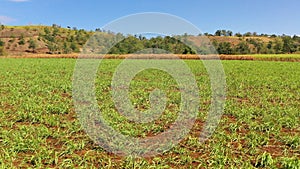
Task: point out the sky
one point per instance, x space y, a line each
261 16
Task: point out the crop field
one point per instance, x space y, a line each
260 127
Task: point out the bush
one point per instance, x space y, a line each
2 51
1 43
32 44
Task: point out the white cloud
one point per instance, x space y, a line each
6 19
18 0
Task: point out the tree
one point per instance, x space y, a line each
47 30
229 33
248 34
66 48
74 47
224 48
269 45
257 44
264 49
55 31
238 34
296 38
223 32
98 30
242 48
56 26
218 33
278 45
288 45
141 37
2 51
32 45
21 40
53 48
273 36
2 27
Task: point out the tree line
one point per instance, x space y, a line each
247 43
72 40
185 45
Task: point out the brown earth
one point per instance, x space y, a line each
154 56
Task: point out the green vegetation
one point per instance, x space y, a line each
2 51
59 40
260 126
32 45
132 44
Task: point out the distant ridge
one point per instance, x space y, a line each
22 40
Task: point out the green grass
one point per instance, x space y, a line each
260 126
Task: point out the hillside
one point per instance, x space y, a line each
230 44
19 40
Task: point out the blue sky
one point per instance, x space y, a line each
262 16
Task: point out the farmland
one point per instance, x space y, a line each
259 128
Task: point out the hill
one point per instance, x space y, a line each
19 40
